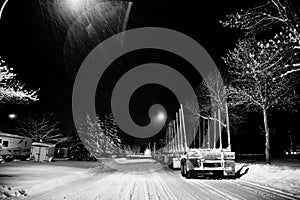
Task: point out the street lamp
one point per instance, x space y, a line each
77 5
12 116
161 116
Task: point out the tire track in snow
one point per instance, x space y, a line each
152 189
190 189
168 193
233 188
272 194
184 189
220 193
115 187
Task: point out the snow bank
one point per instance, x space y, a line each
284 178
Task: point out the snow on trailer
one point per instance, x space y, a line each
14 146
208 156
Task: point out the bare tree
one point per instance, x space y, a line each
11 90
257 81
278 16
40 127
212 94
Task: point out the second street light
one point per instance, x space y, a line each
12 116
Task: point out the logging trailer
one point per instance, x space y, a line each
207 156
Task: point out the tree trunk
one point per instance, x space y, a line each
267 135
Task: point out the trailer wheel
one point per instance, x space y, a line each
182 169
171 165
23 158
8 158
218 175
189 174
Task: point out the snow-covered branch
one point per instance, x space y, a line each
212 118
12 90
254 83
275 14
289 72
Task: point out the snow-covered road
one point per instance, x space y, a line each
146 180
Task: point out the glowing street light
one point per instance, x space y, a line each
12 116
161 116
76 5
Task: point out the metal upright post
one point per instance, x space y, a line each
180 130
203 133
208 134
220 131
175 137
169 139
177 130
184 132
194 138
215 129
166 143
227 126
199 133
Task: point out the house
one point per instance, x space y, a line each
14 146
42 152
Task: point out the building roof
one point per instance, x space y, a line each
11 136
39 144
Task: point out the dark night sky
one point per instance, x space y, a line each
34 47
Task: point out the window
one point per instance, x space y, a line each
25 143
0 141
5 143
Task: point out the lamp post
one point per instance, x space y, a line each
12 116
161 116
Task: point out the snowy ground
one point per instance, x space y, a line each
282 175
140 179
35 177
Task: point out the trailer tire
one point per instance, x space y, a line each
23 158
189 174
218 175
182 170
171 165
8 158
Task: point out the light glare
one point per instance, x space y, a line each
161 116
